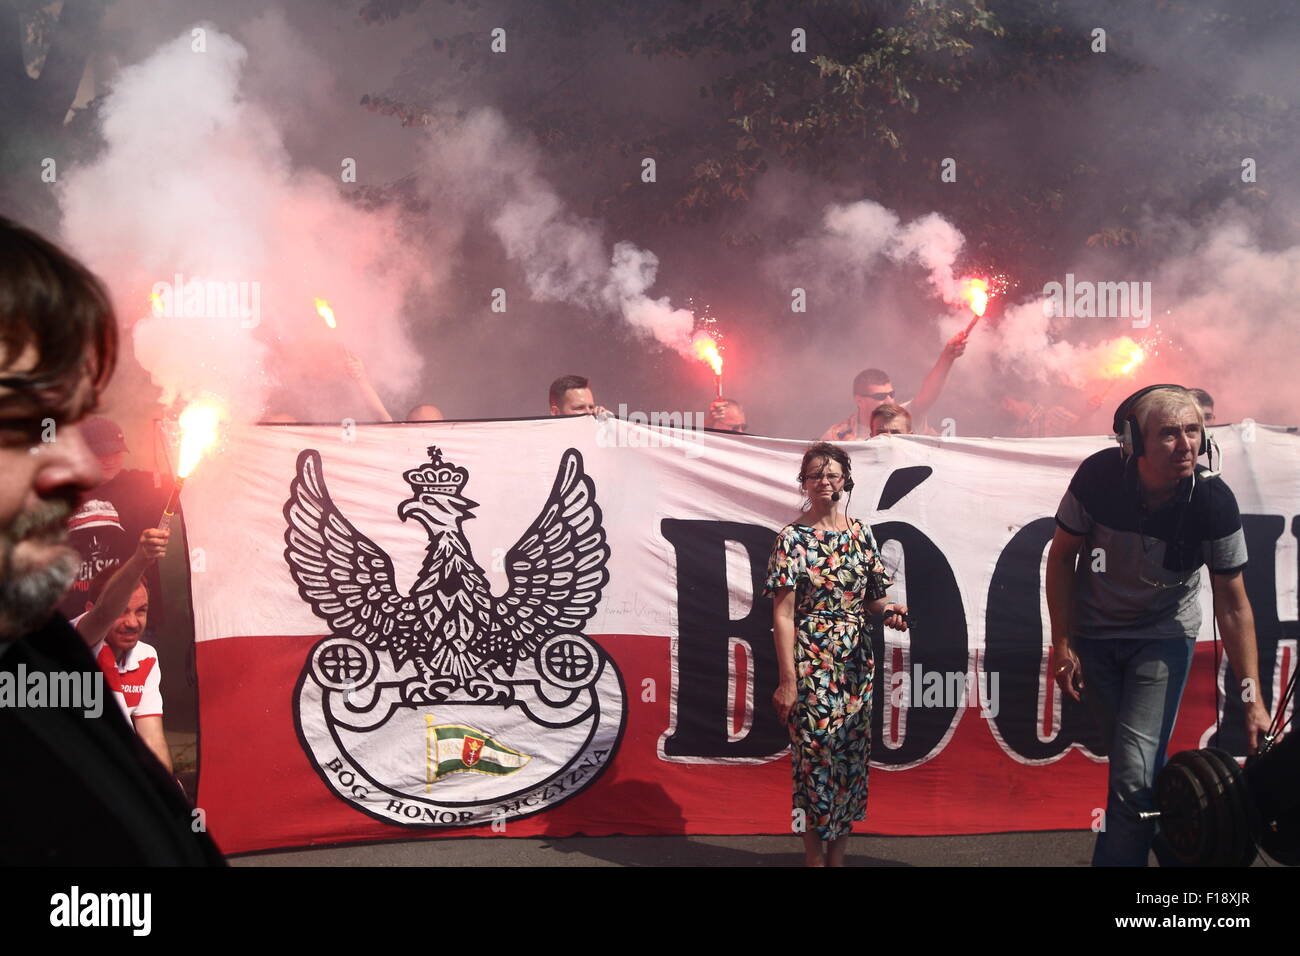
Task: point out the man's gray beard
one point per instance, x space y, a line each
27 598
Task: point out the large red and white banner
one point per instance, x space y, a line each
557 626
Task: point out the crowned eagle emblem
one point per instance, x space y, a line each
457 632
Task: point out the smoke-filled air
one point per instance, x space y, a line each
298 207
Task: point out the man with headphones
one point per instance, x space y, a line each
1125 613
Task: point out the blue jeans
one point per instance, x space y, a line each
1133 686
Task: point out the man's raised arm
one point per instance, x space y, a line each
112 601
933 384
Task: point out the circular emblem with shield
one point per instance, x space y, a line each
452 706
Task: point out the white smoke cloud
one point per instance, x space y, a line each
934 243
476 166
859 237
1231 305
195 180
1220 320
632 273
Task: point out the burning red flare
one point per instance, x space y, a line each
1138 357
325 312
198 425
976 293
706 350
1126 356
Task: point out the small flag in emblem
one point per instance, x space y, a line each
455 747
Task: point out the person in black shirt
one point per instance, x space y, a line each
82 788
1134 529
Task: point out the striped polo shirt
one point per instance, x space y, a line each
1139 571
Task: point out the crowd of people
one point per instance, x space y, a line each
1123 631
877 409
78 541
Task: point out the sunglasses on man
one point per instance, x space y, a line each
879 396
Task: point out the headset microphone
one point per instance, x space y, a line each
835 496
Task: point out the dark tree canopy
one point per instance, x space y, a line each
1053 148
34 108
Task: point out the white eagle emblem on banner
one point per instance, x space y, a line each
514 669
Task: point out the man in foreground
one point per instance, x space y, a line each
84 790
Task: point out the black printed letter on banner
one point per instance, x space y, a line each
699 707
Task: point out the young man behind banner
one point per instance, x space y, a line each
872 387
113 623
571 395
891 419
1125 619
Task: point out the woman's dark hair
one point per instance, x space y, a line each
52 302
824 449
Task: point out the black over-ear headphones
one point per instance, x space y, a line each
847 465
1125 425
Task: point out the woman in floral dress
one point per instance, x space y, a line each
826 579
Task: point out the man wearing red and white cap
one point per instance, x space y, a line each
95 530
105 528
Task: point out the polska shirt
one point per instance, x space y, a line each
136 682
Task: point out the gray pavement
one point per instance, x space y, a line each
1054 848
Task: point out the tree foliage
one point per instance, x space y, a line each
43 54
1052 152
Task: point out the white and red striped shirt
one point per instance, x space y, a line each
136 682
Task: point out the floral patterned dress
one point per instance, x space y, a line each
834 574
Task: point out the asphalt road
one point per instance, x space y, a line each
1054 848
